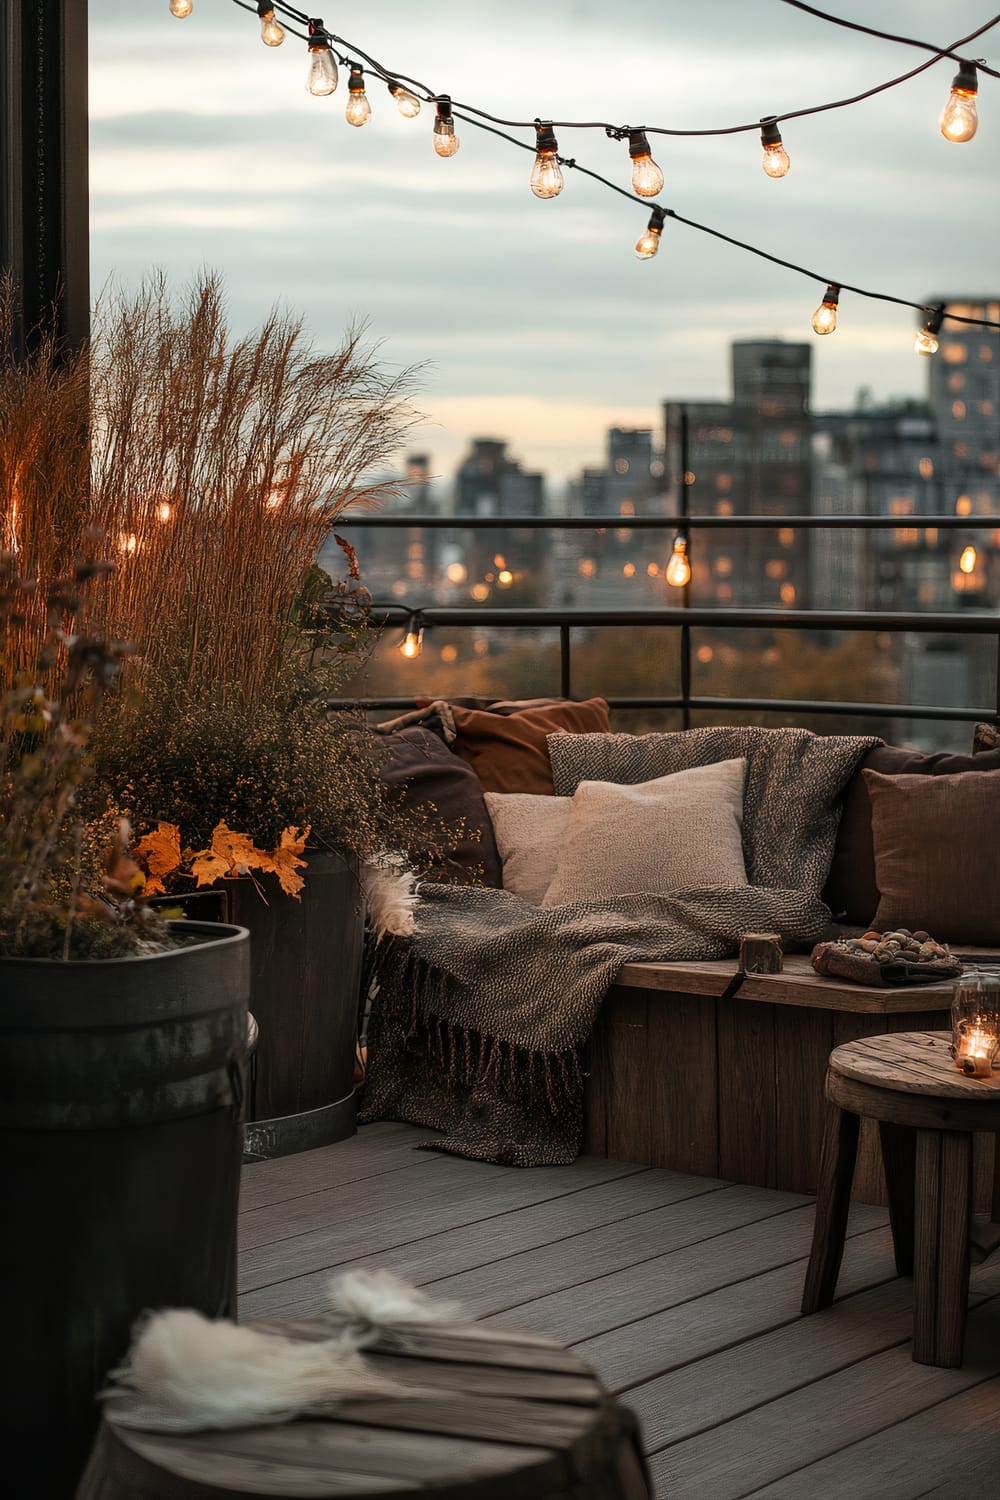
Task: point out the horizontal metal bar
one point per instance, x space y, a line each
979 622
666 523
769 705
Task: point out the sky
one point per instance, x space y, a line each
533 321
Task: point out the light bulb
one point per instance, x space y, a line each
446 142
358 111
181 8
925 339
647 179
272 33
959 118
546 174
967 561
824 319
648 243
412 642
678 568
164 511
322 77
776 162
408 104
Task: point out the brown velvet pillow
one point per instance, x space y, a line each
446 794
851 891
936 842
508 752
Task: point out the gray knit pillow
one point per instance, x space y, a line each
791 802
672 834
529 829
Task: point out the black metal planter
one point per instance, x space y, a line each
121 1132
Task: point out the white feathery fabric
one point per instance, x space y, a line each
390 891
378 1303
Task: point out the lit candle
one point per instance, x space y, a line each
974 1051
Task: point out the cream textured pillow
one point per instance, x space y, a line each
659 836
529 829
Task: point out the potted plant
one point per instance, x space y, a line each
122 1052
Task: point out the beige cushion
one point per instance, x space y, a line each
659 836
528 829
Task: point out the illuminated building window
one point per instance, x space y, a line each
723 507
456 572
906 536
724 593
414 570
704 654
626 508
956 381
985 354
987 460
776 568
786 536
399 589
901 505
449 653
789 439
985 408
415 551
587 567
963 505
723 566
790 484
787 593
960 450
926 592
954 354
629 570
481 647
724 483
925 468
958 411
621 465
931 536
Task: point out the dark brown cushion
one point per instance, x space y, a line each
508 751
851 892
936 841
452 829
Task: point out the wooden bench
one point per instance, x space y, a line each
682 1077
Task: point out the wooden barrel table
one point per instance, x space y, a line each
492 1416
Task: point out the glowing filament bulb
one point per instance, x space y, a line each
776 162
647 179
408 104
648 243
164 511
181 8
678 568
358 111
824 319
446 142
959 118
967 561
546 174
322 77
412 641
925 339
272 33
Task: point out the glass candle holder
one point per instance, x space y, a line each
975 1022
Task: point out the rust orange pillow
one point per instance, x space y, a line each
508 752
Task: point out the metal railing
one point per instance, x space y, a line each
686 616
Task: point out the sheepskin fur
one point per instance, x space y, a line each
379 1303
390 890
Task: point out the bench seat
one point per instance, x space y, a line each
681 1077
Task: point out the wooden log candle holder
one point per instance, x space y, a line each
760 953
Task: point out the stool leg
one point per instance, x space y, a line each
941 1249
899 1151
833 1202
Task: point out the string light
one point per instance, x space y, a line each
358 111
546 174
406 102
413 640
164 511
776 160
181 8
959 118
679 568
272 33
446 142
925 340
824 319
967 561
648 243
647 179
322 77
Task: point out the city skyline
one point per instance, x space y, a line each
536 320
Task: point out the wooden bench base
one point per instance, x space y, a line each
682 1077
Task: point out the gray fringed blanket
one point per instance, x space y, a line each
479 1017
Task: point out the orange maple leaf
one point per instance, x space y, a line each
284 861
229 854
160 854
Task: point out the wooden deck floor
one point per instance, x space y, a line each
682 1291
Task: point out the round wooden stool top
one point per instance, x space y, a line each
492 1415
910 1077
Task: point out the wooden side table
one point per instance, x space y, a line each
927 1113
492 1415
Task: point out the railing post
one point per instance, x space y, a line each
685 640
564 662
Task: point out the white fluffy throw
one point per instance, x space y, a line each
390 890
185 1373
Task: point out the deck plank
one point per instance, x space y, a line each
375 1149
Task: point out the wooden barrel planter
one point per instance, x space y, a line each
121 1094
305 958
